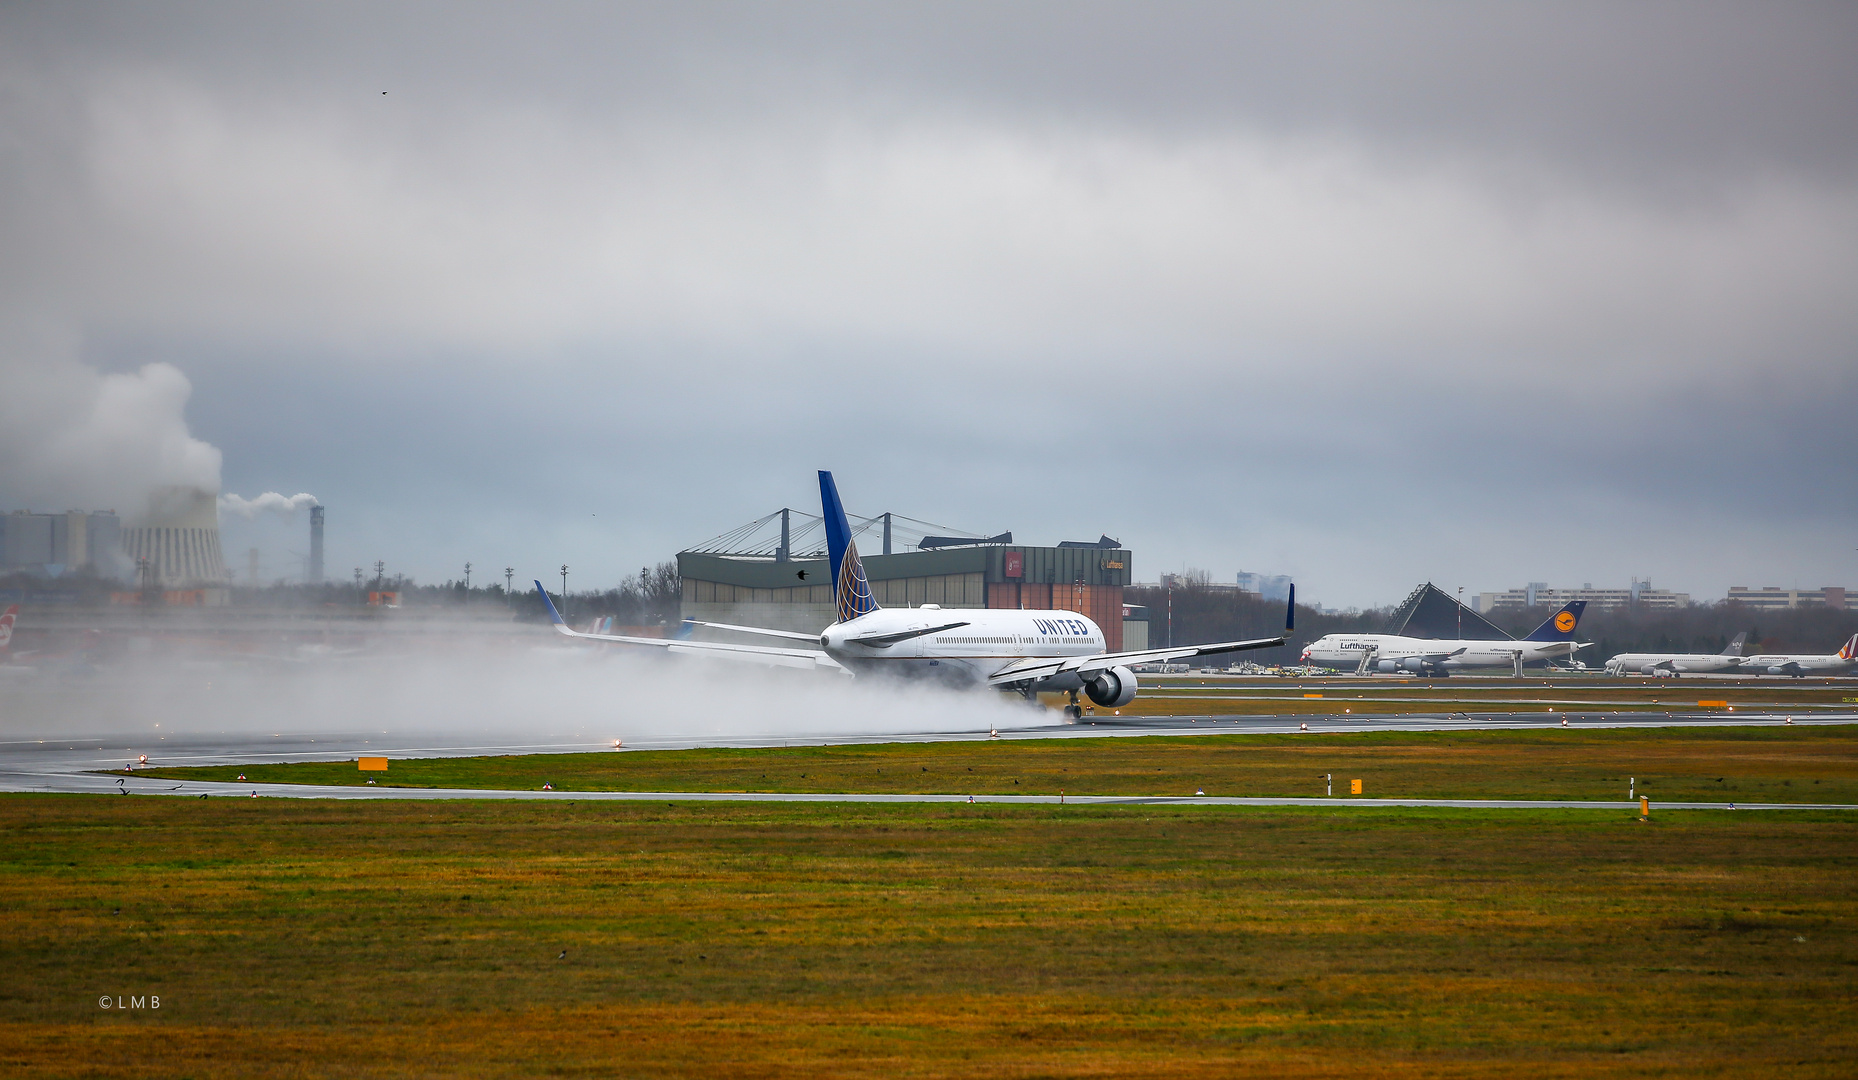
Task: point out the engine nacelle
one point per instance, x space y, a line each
1414 664
1112 688
1387 666
1652 669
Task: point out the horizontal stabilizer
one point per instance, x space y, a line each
791 635
761 655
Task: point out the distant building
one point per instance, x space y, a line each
1832 596
1538 594
56 544
1267 586
1135 628
772 572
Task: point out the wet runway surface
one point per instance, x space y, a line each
78 766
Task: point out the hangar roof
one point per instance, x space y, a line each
806 536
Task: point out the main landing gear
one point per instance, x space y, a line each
1073 712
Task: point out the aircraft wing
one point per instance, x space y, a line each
1035 668
763 655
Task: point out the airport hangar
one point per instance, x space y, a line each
773 573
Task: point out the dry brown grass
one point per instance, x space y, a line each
316 938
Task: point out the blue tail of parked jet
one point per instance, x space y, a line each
849 586
1560 626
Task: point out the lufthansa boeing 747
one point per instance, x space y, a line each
1395 653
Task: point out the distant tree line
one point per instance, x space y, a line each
1702 628
1203 614
652 598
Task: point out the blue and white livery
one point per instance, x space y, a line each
1025 651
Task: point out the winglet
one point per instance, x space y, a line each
1290 610
553 615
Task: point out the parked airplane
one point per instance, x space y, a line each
1800 666
1026 651
1675 664
1434 656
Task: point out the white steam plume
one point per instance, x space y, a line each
270 500
73 438
461 687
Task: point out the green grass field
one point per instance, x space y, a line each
291 938
1745 764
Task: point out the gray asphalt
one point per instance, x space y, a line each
75 766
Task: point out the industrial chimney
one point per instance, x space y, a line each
316 545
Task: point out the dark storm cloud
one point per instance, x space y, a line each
1364 293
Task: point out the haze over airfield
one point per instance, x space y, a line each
1369 295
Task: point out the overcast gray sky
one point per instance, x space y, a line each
1370 295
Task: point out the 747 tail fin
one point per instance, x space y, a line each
1560 626
849 587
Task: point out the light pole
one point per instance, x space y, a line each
467 578
564 584
508 573
1461 611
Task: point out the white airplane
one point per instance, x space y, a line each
1395 653
1026 651
1675 664
1802 665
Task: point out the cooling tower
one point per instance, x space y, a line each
179 538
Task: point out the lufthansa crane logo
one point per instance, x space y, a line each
1564 622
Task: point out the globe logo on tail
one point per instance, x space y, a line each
854 596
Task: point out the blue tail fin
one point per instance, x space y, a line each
849 586
553 615
1560 626
1290 609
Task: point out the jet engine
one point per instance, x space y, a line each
1112 688
1414 664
